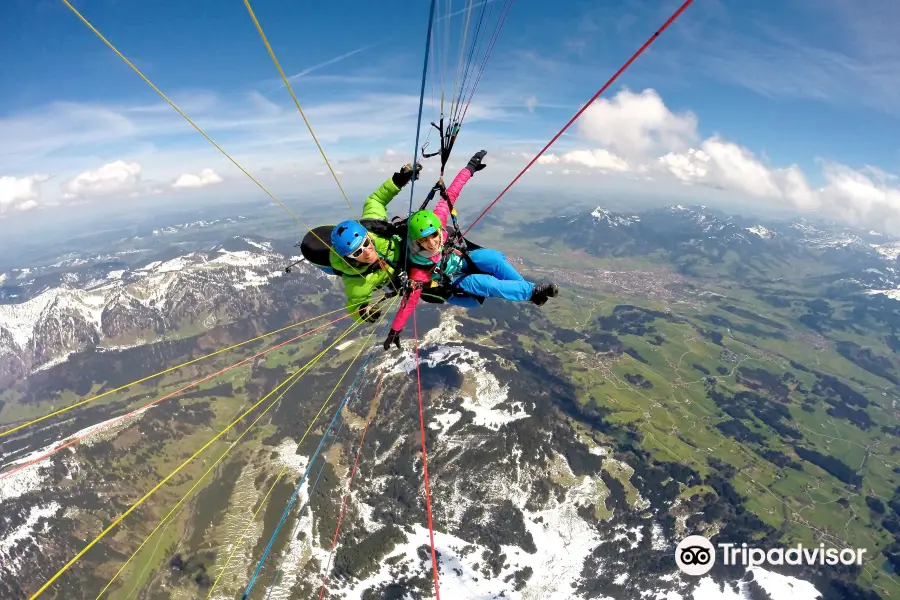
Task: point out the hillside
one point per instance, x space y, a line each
699 373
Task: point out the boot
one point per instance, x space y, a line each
542 292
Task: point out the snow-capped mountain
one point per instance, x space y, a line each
193 225
699 240
762 232
605 217
524 505
111 304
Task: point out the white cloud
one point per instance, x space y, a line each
638 133
600 159
70 138
635 124
531 103
111 178
204 178
20 193
860 197
723 165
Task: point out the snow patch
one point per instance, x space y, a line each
20 483
266 246
23 532
888 251
287 454
761 231
784 586
893 294
242 258
601 215
488 391
176 264
85 436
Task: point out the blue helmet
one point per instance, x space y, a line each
347 236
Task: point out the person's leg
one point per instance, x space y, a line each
498 268
464 301
494 263
491 287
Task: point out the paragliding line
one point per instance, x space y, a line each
312 460
169 370
434 567
412 186
195 383
500 23
178 469
197 127
459 66
296 102
312 490
278 478
476 39
337 529
302 371
585 107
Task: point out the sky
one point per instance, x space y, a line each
773 105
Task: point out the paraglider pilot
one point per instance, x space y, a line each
458 275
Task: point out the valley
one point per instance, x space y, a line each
697 373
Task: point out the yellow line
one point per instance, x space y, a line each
119 519
283 469
203 133
169 370
296 102
296 377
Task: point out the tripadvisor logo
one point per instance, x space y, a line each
695 555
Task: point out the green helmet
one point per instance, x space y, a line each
422 224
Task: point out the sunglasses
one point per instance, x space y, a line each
367 243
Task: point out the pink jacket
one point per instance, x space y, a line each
442 211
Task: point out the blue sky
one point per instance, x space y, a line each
770 95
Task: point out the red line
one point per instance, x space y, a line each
585 107
347 495
434 567
187 387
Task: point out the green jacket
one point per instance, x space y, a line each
359 279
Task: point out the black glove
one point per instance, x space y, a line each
370 314
392 338
405 174
475 164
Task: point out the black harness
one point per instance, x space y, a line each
317 252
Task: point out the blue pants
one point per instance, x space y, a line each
498 280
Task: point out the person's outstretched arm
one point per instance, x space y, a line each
442 210
375 206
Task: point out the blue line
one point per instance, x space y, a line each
412 187
311 492
302 479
